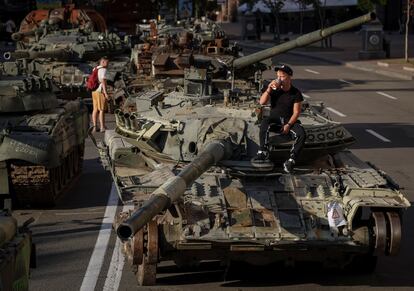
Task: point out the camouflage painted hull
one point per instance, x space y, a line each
234 213
41 153
18 255
183 160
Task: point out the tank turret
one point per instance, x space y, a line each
40 22
41 140
68 57
15 92
71 45
175 187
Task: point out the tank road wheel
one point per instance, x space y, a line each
146 274
380 231
69 167
79 157
48 197
137 248
55 179
147 270
62 175
152 242
394 233
76 160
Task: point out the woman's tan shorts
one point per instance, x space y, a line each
98 101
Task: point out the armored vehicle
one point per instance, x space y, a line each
162 59
170 49
183 162
41 140
34 24
18 253
68 57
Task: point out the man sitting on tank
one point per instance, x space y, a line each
286 102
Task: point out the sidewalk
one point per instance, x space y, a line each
346 46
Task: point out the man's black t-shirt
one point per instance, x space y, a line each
282 102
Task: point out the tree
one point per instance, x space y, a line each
275 6
369 5
317 6
302 4
250 3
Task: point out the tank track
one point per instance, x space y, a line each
38 186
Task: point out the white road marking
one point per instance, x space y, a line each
377 135
114 275
306 95
345 81
312 71
386 95
98 254
336 112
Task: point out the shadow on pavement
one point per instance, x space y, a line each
244 275
390 271
400 134
91 190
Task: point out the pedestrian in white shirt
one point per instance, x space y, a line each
100 96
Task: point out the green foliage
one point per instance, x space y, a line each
274 5
369 5
250 3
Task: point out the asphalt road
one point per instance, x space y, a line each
377 110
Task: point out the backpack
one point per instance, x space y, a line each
93 83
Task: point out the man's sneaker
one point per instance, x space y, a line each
261 161
261 156
288 166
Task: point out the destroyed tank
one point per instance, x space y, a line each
37 22
162 62
182 167
69 56
17 253
41 140
171 49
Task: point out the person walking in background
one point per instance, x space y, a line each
100 95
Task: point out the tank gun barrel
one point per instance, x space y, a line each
303 40
20 35
174 188
16 55
55 54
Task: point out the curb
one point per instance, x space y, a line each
347 64
380 72
409 69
